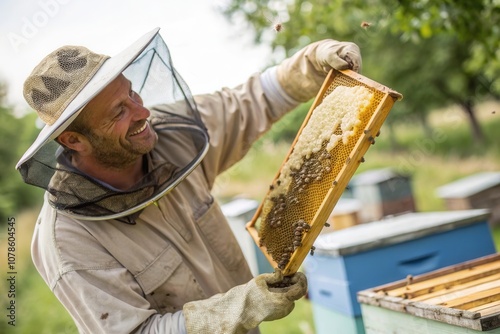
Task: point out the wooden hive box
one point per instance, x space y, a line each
478 191
344 215
463 298
382 192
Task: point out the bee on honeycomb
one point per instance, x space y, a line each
311 164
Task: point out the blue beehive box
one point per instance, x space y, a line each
367 255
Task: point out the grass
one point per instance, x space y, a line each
431 160
495 233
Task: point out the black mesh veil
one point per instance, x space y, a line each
182 144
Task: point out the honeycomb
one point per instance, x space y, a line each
339 128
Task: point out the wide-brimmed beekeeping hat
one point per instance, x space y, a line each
64 83
67 79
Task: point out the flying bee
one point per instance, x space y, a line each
365 24
277 24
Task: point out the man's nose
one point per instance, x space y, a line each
139 112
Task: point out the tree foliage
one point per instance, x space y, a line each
434 52
17 134
474 23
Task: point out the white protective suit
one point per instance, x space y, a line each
114 277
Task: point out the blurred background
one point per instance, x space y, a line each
443 56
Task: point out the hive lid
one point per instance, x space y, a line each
346 206
239 207
470 185
394 230
375 176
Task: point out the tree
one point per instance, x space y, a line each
474 23
18 134
472 28
434 52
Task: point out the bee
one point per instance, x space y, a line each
365 24
312 250
409 280
277 24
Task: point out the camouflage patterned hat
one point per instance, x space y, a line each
66 80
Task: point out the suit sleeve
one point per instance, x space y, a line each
237 117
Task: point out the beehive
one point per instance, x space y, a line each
342 123
464 298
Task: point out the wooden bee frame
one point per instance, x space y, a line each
312 213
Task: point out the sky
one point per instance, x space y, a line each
207 49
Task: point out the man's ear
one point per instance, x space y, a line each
75 141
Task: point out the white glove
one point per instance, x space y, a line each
245 306
302 75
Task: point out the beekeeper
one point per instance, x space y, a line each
129 238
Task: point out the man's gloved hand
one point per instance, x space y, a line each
302 75
245 306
